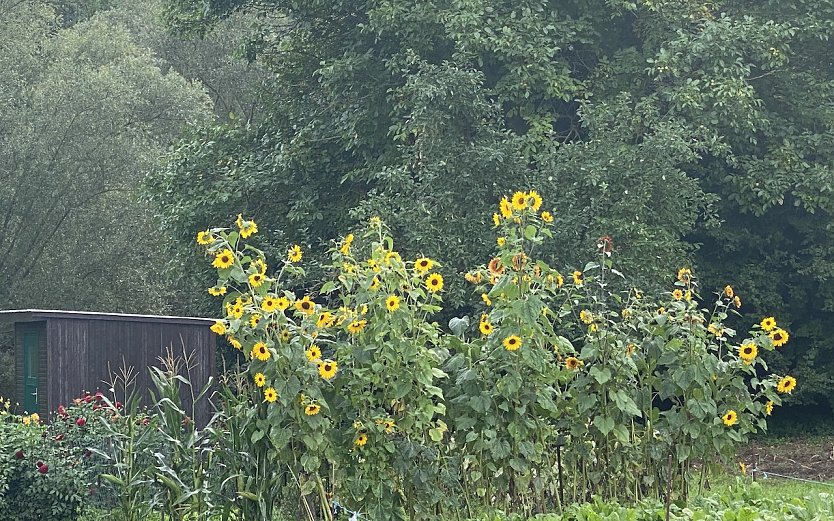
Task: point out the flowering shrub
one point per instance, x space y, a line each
564 384
36 482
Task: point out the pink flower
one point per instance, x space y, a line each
62 411
19 454
81 421
43 469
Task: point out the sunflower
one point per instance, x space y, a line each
305 305
534 199
282 303
259 265
560 281
374 284
728 291
270 395
389 426
392 303
219 327
486 299
501 241
715 329
260 379
779 337
730 418
577 278
485 327
422 265
768 323
506 208
361 440
748 352
586 316
573 363
261 352
626 313
434 282
547 217
223 259
285 335
357 326
391 257
269 304
737 302
205 238
630 349
768 408
235 310
685 275
312 409
327 369
216 291
256 279
326 319
512 343
254 320
519 201
294 254
495 267
677 294
688 296
345 248
496 220
235 342
786 385
313 353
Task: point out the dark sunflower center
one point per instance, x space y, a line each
327 367
748 350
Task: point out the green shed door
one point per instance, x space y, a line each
30 371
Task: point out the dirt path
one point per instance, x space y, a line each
811 458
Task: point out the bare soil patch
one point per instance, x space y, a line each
809 458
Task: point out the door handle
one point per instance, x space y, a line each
35 394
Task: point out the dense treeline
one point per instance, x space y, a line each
690 132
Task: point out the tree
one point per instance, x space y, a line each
85 112
687 131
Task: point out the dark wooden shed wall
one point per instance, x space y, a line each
80 351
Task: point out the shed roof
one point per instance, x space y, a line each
32 315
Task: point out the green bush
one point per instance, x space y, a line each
36 482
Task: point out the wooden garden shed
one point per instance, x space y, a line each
59 354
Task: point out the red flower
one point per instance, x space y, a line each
95 406
62 411
43 469
99 396
39 464
146 421
87 398
118 405
81 421
19 454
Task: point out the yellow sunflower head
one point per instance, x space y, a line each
361 440
326 319
534 199
224 259
260 351
216 291
786 385
768 323
677 294
356 326
313 353
728 291
586 316
768 408
423 265
205 238
685 275
305 305
779 337
496 220
392 303
270 395
312 409
345 248
485 327
260 379
434 282
512 343
256 279
519 201
547 217
748 352
328 369
730 418
269 304
573 363
486 299
219 327
294 254
505 208
577 278
282 303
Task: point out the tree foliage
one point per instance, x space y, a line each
688 131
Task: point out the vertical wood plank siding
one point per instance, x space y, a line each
79 353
